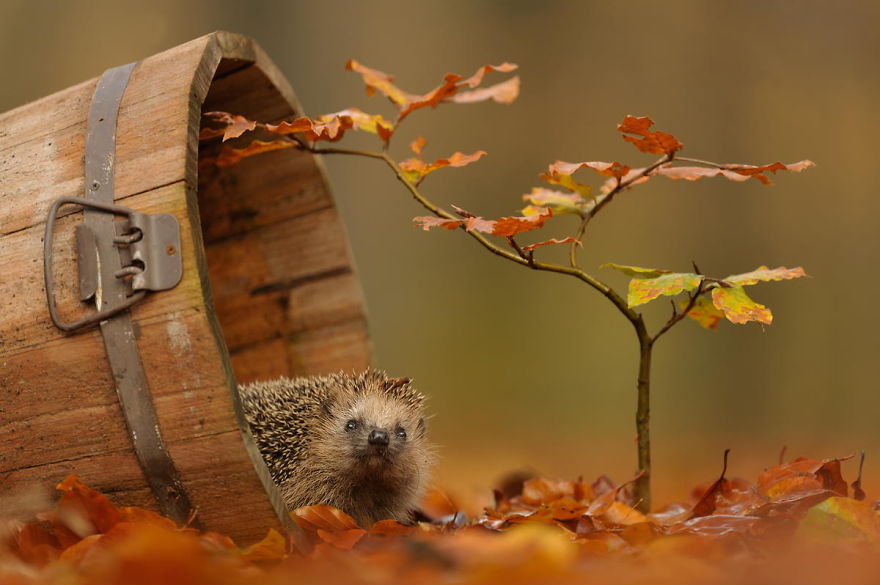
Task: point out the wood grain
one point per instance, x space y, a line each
268 287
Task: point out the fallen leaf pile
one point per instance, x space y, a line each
796 524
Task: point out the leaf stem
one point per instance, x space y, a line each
708 163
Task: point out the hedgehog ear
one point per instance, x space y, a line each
421 427
325 408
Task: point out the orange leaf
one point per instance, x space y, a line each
436 505
391 528
612 169
511 226
273 547
139 515
321 517
477 78
651 141
416 169
737 173
93 507
344 540
235 125
36 544
447 91
330 127
360 120
505 92
376 80
417 145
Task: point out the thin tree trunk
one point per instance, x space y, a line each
642 491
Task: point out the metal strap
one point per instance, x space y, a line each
120 339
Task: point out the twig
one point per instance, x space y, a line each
577 241
676 317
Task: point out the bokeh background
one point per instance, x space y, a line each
536 371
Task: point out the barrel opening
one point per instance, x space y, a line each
283 286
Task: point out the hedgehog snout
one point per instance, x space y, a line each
378 438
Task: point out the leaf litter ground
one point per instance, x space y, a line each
799 522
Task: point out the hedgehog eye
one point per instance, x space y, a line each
351 425
401 433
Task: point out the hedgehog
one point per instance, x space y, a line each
355 442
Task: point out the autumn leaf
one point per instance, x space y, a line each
505 92
416 169
447 91
842 519
374 124
606 169
511 226
235 125
344 540
273 547
428 221
93 508
703 312
708 502
764 274
643 290
321 517
437 505
331 127
557 201
651 141
504 227
376 80
736 173
417 145
738 307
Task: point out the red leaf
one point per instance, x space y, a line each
651 141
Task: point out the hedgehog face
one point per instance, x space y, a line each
376 431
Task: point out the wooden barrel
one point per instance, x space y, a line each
267 289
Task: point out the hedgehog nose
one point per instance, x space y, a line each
378 438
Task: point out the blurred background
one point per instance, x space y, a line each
533 370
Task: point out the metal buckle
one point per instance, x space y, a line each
150 254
